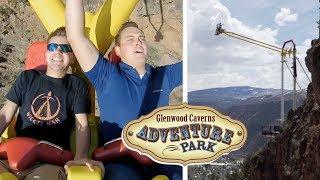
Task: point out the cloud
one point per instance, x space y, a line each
221 61
285 16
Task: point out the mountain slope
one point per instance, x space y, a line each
255 107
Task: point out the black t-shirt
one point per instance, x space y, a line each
48 106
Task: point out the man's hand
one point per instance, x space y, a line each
85 162
7 113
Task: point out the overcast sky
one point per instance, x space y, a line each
220 61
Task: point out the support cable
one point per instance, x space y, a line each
304 70
292 73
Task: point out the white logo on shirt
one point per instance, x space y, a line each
157 90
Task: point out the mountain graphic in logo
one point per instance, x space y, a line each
45 107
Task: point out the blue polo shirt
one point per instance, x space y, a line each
124 96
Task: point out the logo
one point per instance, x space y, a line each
45 107
184 134
157 90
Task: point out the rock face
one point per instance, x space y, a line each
313 64
295 153
19 27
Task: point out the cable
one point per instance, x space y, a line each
256 42
253 43
252 39
158 35
292 74
304 70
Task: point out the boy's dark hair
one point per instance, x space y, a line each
125 25
61 31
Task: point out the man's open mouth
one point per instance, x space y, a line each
57 59
138 51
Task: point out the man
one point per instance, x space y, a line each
50 103
127 90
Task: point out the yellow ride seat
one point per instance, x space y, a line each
160 177
7 176
83 173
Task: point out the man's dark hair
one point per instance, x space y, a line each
61 31
125 25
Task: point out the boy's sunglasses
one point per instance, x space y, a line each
66 48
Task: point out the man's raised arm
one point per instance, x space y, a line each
84 50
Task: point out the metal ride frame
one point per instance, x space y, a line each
284 52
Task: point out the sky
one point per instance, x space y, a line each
221 61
